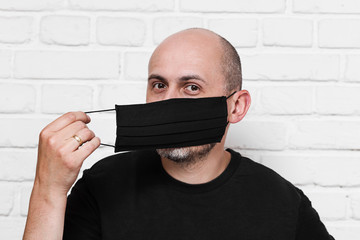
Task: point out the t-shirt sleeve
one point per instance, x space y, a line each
309 225
82 219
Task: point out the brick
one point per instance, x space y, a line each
326 134
253 134
336 171
67 64
326 6
10 160
5 63
21 132
355 205
338 100
25 194
122 93
349 230
260 6
287 32
115 5
352 72
339 33
6 198
65 30
66 98
329 171
165 26
31 5
286 100
245 37
12 227
331 204
17 98
110 31
136 65
291 67
15 29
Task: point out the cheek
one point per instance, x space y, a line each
150 96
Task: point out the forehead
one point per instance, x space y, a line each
188 53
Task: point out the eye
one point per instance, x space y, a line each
192 88
159 85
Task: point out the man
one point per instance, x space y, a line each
196 192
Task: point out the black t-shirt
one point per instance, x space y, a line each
130 196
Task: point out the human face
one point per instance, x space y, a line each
186 65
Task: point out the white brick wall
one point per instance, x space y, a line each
165 26
24 101
344 100
291 66
5 63
65 30
31 5
288 32
66 64
326 6
245 6
73 98
6 198
351 71
121 31
300 63
240 32
113 5
339 33
15 29
331 204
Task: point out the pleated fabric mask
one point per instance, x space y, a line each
171 123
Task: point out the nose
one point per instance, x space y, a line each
172 93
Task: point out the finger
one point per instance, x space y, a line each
69 131
67 119
85 151
84 134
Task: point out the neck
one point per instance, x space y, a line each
201 171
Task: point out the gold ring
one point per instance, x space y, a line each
78 139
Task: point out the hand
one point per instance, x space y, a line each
59 155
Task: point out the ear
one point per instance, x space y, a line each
238 105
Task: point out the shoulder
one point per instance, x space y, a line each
266 181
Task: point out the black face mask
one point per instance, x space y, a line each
172 123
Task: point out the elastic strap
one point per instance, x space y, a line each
231 94
105 110
107 145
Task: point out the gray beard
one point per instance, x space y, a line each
186 155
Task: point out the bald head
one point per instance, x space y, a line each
216 52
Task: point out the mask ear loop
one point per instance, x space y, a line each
231 94
227 98
105 110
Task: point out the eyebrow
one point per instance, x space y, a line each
183 78
192 76
156 76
